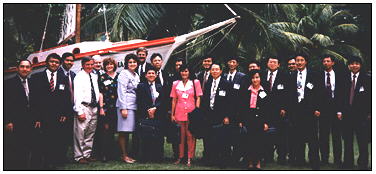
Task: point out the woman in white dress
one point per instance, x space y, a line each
126 103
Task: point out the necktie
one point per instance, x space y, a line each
52 83
152 93
205 79
93 96
270 81
24 84
212 94
328 84
352 90
300 86
70 86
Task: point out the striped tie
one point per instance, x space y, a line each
52 83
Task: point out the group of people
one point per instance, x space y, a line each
248 116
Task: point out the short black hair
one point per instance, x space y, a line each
273 57
65 55
184 67
253 72
150 69
85 59
255 62
179 59
323 56
216 63
154 55
53 55
207 56
304 55
129 57
353 59
21 60
233 58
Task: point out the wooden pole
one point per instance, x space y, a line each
78 23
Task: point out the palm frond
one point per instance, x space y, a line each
346 28
297 40
322 40
285 26
341 13
306 25
347 49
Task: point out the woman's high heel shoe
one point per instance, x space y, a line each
189 161
177 161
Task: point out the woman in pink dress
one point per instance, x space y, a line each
184 102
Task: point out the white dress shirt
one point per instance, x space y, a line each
160 76
302 79
49 76
213 91
273 77
231 75
82 90
332 81
356 78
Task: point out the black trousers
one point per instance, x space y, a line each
329 123
351 126
17 150
305 130
217 141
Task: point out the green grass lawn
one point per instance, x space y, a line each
167 164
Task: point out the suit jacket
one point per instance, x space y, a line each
221 108
311 96
262 110
145 102
47 107
361 106
327 103
142 75
278 95
234 93
72 75
200 77
16 104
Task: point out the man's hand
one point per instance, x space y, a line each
151 112
266 127
124 113
62 119
226 120
9 127
37 124
317 113
339 116
282 113
101 112
240 124
81 117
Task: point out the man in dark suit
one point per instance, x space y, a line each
142 54
215 108
356 113
150 106
275 82
253 64
204 75
304 112
51 105
234 77
291 65
64 70
18 123
330 84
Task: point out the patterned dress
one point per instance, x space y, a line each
108 87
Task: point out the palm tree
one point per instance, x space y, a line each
315 29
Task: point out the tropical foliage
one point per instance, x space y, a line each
263 29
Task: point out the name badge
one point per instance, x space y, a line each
280 87
309 85
156 94
222 93
262 94
361 89
107 82
61 86
184 95
236 86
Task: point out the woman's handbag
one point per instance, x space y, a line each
197 124
149 128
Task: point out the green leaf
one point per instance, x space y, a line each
322 40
